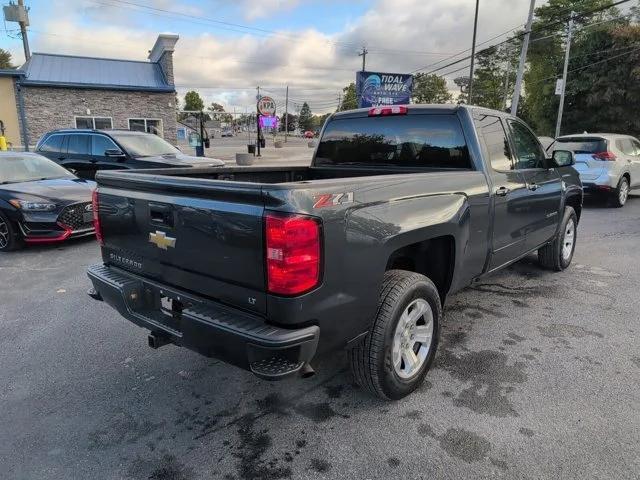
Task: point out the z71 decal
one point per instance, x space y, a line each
332 199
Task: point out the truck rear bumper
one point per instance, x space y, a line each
212 329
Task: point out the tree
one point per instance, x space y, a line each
290 123
546 56
305 121
5 59
349 98
220 115
318 121
192 101
430 88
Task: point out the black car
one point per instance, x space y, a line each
41 201
84 151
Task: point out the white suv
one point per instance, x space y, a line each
607 163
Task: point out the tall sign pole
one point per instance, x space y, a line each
473 53
286 116
564 75
259 140
523 60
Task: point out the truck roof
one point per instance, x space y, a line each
423 107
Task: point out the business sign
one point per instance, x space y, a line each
374 88
268 122
266 106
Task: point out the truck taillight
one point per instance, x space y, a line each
293 253
606 156
390 110
96 217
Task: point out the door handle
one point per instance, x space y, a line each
533 187
502 191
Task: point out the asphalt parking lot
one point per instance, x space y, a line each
537 376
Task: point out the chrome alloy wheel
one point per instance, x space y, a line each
4 234
623 194
568 240
412 338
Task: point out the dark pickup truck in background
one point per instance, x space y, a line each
267 268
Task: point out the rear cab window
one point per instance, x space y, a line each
406 141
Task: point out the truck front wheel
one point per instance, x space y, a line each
393 359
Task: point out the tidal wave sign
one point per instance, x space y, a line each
374 88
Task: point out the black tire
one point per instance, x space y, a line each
617 199
371 360
551 255
10 238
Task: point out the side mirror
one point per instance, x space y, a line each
563 158
113 152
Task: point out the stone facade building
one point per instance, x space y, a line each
62 91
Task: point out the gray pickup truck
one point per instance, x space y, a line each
269 268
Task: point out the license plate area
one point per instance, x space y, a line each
160 305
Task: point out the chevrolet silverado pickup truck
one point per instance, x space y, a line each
268 268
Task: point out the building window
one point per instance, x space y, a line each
99 123
149 125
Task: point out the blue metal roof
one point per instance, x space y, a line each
89 72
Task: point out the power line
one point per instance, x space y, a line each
543 27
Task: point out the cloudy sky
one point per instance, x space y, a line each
226 48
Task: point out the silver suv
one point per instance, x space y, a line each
607 163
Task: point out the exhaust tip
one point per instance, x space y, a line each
307 371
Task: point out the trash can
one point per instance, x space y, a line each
251 148
263 143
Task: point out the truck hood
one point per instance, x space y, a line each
61 190
182 160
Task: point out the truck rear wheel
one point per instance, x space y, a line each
393 359
557 255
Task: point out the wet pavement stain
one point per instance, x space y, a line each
123 429
520 303
533 291
320 465
167 467
527 432
516 337
252 446
501 464
490 374
563 330
393 462
412 414
458 442
318 412
472 311
334 391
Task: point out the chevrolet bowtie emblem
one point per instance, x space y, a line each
161 240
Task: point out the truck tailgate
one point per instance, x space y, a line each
210 243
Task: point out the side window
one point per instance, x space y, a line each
529 154
636 147
496 141
100 143
78 145
53 144
624 145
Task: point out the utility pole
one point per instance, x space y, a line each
339 101
286 115
506 78
259 141
564 74
473 53
363 54
523 60
23 33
